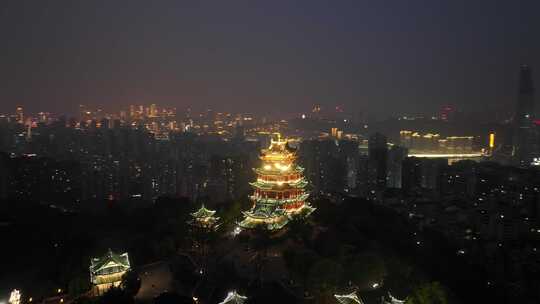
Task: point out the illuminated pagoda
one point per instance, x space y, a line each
351 298
204 218
108 270
233 298
279 191
15 297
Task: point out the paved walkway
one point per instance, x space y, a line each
156 278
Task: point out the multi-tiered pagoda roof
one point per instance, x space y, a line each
234 298
109 268
349 298
279 191
204 218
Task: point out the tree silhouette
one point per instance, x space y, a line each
131 283
429 293
298 228
324 277
117 296
261 242
79 285
172 298
366 269
299 263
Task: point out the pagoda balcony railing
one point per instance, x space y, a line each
283 179
278 157
268 200
285 193
279 186
275 171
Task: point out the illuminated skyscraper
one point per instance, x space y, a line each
4 175
446 113
396 155
20 115
525 109
84 113
153 110
525 141
132 111
378 161
44 117
279 189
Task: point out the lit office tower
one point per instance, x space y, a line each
279 191
4 165
411 175
153 110
84 113
378 161
396 155
20 115
525 142
446 113
526 95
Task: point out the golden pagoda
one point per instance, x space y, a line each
279 191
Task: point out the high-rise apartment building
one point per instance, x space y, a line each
525 141
153 110
378 161
3 175
20 115
396 155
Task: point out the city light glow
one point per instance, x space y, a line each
260 128
447 155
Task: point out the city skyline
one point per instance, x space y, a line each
267 58
315 152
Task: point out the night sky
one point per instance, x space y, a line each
266 56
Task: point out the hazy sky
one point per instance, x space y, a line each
266 55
